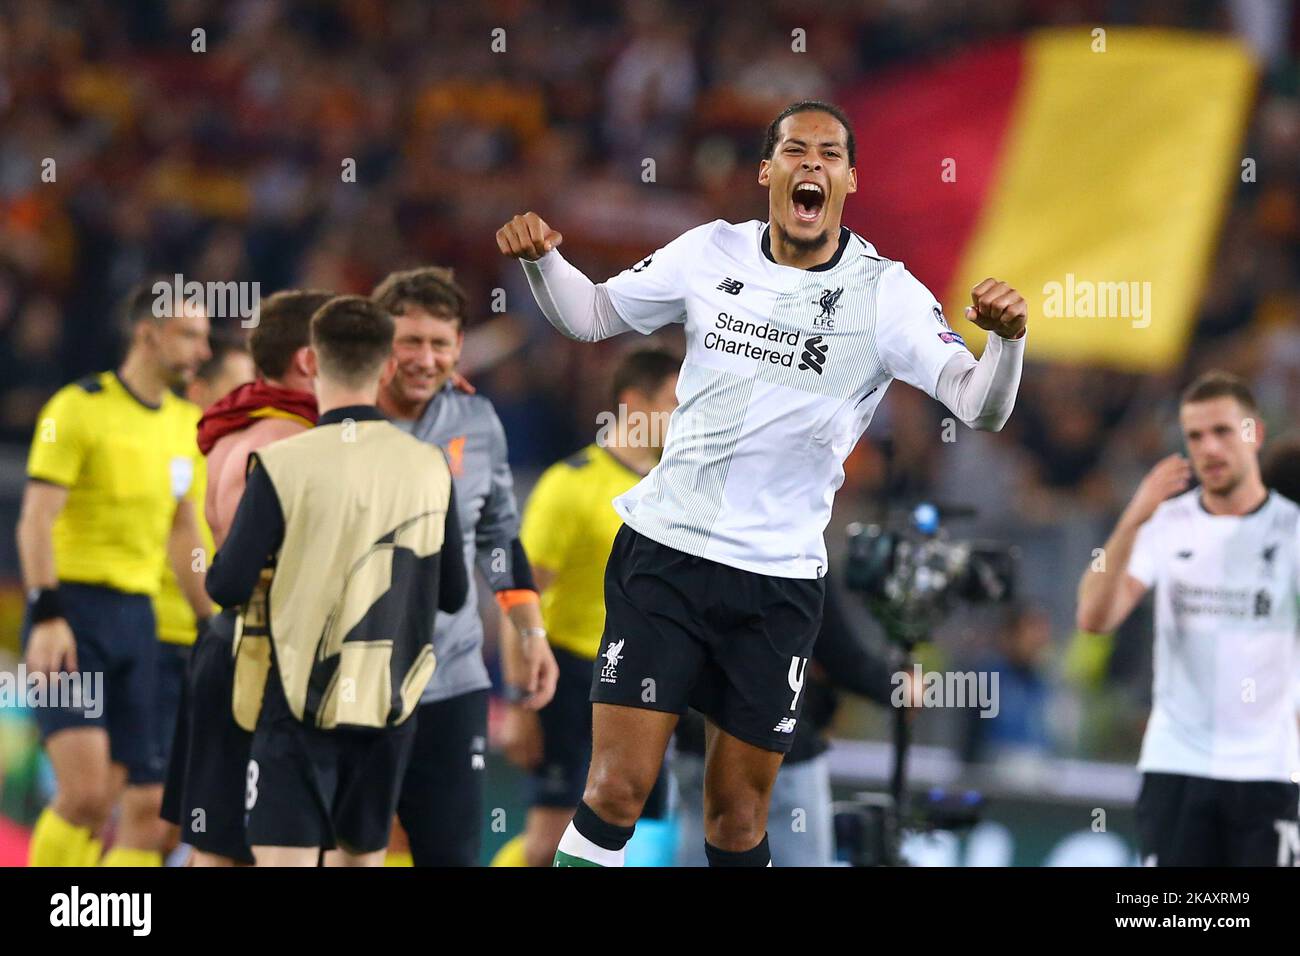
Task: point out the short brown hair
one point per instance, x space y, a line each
432 288
283 327
645 370
353 337
1217 383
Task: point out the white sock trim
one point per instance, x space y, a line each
575 844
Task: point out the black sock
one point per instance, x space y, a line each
757 856
608 836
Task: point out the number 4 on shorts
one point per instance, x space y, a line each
797 667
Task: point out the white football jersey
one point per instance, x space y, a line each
784 368
1225 643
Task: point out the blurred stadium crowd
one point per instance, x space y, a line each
229 164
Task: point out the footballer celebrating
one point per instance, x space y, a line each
1219 758
795 328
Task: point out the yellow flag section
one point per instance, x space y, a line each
1122 153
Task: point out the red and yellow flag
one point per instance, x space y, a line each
1089 169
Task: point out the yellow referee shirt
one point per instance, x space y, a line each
125 465
568 528
176 621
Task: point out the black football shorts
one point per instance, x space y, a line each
1198 821
308 787
206 779
683 631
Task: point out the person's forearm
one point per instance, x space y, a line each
571 302
1099 588
526 616
36 551
518 626
982 394
512 662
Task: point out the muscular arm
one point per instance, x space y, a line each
981 394
571 302
42 502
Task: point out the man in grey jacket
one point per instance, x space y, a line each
441 805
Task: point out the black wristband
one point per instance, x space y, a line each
46 606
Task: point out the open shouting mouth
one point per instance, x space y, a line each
808 198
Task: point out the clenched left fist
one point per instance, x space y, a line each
998 308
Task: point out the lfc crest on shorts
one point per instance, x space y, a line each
612 654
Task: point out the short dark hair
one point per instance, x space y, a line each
1217 383
645 370
432 288
138 306
283 327
353 337
810 106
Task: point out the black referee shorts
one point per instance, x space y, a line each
118 661
1199 821
683 631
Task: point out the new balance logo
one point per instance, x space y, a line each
1184 555
814 355
730 285
784 726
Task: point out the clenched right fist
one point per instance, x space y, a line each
527 237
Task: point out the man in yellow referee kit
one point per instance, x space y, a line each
568 531
110 501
